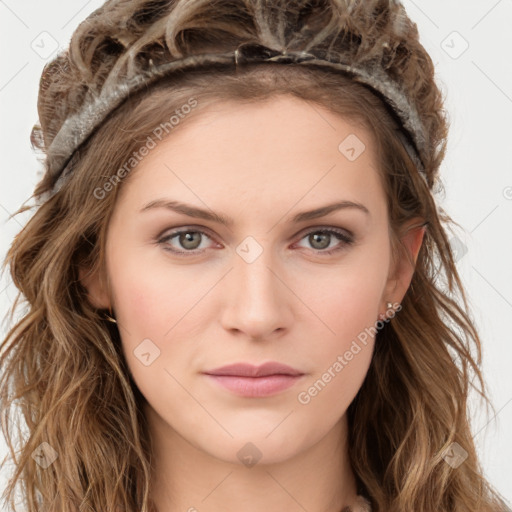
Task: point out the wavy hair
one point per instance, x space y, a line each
65 389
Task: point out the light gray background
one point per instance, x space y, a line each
477 172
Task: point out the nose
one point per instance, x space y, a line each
257 302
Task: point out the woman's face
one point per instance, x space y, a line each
266 286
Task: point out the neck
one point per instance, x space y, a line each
188 478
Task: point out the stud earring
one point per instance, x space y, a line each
383 316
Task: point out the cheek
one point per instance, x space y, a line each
346 301
154 308
346 298
343 352
151 296
160 310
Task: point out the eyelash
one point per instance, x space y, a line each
347 240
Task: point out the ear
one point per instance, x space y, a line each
96 290
402 271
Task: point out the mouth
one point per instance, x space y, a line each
247 380
256 387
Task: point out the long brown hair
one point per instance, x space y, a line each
65 385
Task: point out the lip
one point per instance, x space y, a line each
249 370
255 381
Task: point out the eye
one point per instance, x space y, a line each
190 240
320 240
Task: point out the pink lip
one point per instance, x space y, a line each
255 381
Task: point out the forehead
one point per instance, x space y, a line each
282 146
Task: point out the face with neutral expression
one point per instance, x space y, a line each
253 233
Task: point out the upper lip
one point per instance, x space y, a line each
249 370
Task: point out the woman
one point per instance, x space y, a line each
241 293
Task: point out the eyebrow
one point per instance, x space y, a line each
194 211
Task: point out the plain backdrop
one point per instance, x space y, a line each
470 43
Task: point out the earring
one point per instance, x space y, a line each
109 317
383 316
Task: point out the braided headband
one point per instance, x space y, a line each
78 127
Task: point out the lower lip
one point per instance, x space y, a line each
256 386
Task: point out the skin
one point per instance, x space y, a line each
260 165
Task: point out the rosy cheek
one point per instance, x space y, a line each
135 301
352 304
